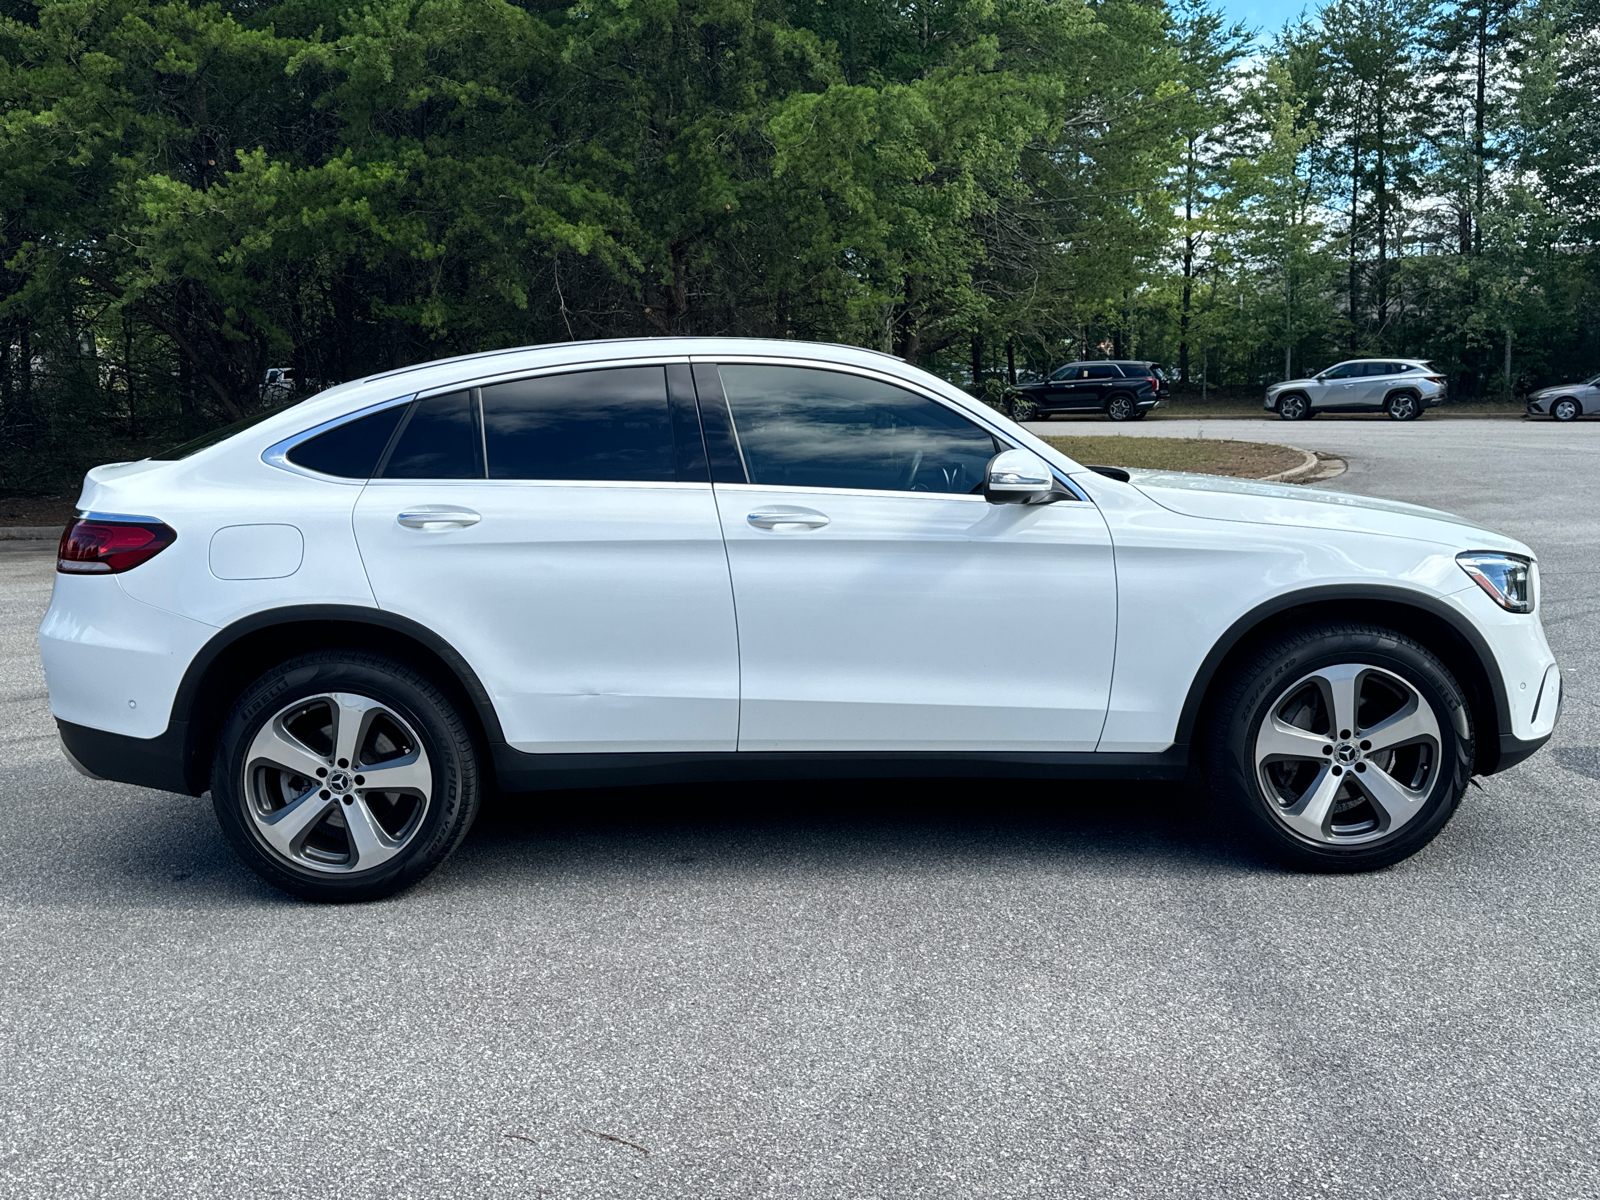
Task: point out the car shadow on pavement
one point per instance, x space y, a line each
882 825
143 849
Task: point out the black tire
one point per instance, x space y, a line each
1403 406
1293 406
1281 678
1566 409
1020 410
404 706
1120 407
1141 414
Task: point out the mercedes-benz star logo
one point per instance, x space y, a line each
338 782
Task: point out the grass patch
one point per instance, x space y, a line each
1207 456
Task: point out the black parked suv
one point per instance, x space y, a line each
1122 390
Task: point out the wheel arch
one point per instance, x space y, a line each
1576 402
238 655
1406 390
1444 632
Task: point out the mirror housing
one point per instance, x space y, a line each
1020 477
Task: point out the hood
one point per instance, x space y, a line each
1272 387
1221 498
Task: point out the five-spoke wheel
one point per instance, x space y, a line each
1293 407
344 776
1346 754
1344 747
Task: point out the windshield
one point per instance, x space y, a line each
195 445
1591 381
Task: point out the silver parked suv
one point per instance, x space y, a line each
1401 387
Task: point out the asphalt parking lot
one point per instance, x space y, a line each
907 990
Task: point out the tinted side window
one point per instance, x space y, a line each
1343 372
612 424
439 441
803 427
350 450
1067 372
1100 373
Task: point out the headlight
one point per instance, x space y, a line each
1508 578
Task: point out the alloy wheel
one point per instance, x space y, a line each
1564 410
1348 754
1120 408
337 782
1292 408
1403 408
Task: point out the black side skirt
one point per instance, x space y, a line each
522 772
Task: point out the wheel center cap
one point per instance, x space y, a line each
339 782
1347 752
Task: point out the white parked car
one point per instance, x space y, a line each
713 558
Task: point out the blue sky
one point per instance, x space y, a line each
1266 15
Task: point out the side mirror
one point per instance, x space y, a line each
1020 477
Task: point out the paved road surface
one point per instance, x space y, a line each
852 991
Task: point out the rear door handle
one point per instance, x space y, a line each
430 517
778 518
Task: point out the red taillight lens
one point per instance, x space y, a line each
91 547
1435 378
1155 384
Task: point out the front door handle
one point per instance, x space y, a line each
430 517
782 518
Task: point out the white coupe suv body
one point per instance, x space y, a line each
639 560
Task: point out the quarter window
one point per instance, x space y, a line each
802 427
609 424
440 440
351 450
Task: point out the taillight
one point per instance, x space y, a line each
1155 384
1435 378
91 546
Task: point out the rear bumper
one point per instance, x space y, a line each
145 762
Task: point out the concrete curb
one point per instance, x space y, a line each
29 533
1314 467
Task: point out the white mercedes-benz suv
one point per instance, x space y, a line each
660 559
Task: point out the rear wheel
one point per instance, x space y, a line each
1020 410
1293 407
1341 747
1565 409
1403 406
1120 408
343 775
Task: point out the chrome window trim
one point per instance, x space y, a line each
480 382
1076 493
276 455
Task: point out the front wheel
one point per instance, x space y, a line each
1565 409
343 775
1341 747
1293 407
1120 408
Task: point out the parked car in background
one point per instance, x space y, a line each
284 383
1401 387
1121 389
1566 401
520 570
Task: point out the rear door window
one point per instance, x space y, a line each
806 427
1105 372
440 440
611 424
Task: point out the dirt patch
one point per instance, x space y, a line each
37 510
1207 456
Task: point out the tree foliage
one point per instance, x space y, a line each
191 193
